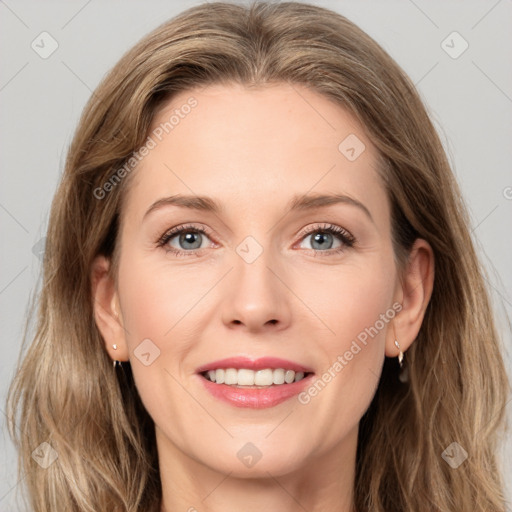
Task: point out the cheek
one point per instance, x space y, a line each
158 300
360 306
160 304
351 298
356 305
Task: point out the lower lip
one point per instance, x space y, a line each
256 398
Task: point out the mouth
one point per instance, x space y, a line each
254 379
257 384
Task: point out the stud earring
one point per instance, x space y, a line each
115 363
400 354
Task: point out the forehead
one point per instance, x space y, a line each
254 148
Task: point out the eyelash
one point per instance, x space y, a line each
344 236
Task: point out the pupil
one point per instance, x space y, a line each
320 236
189 238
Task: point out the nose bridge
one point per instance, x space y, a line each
252 268
256 295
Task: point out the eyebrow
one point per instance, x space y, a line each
297 203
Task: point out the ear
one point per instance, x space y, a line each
413 293
107 312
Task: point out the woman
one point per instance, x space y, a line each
256 368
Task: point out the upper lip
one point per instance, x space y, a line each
254 364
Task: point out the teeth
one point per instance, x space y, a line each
278 376
289 376
230 376
245 377
218 376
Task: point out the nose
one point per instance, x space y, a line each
256 297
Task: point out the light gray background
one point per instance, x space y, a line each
469 98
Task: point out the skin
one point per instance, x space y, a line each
252 150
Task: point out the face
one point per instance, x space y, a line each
268 273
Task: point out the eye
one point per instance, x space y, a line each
324 237
189 237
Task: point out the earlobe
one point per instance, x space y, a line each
415 292
106 309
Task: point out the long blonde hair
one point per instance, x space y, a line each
66 393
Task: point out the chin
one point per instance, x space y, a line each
252 462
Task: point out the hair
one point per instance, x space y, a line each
65 391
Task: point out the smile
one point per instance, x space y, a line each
245 377
254 383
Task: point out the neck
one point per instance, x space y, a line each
322 483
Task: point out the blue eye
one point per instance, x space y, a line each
325 241
186 235
190 238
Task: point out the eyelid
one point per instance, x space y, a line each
176 230
328 227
